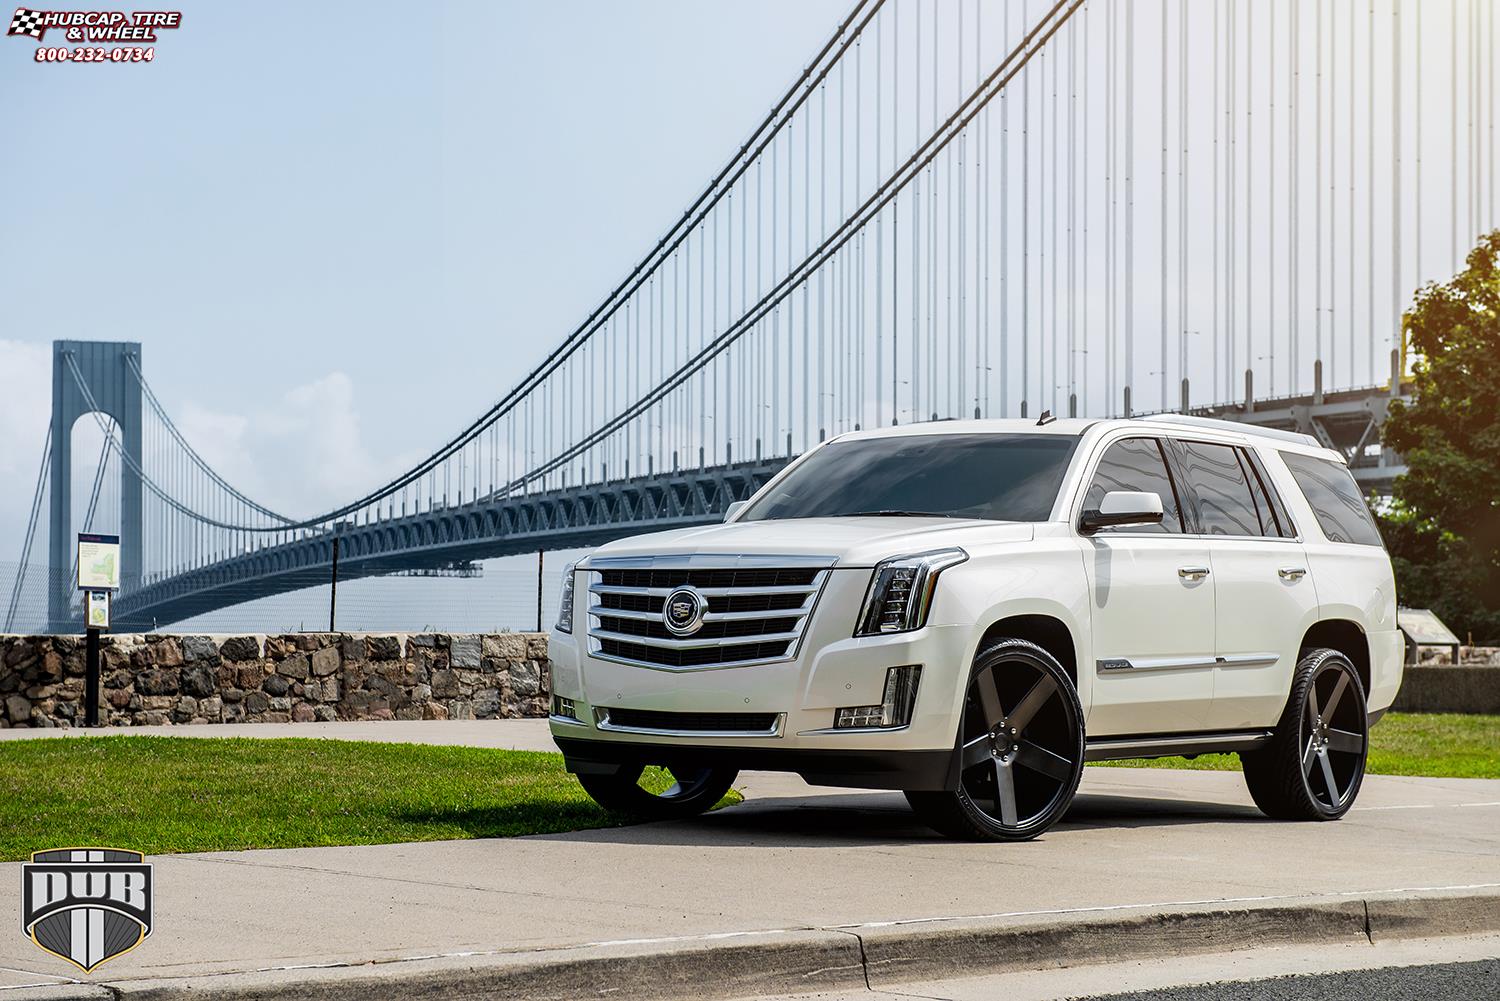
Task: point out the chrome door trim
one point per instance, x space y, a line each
1249 660
1116 665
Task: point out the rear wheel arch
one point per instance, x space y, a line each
1347 637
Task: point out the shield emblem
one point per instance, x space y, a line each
683 610
86 905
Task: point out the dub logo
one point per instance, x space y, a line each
86 905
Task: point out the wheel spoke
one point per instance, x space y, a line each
1039 759
1338 693
1312 708
1346 741
1005 794
976 751
1328 779
989 698
1309 756
1040 692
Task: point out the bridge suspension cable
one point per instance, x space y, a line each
950 129
36 509
197 460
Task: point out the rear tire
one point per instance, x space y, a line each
1020 745
1313 767
695 792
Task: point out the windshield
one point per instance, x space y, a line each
998 477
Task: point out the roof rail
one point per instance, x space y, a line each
1295 437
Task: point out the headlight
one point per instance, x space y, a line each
901 590
565 603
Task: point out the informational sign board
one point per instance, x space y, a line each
98 562
96 609
1424 628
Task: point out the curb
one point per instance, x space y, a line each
847 958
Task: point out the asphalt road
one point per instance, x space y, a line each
1477 981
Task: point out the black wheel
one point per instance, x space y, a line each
1314 765
692 792
1021 749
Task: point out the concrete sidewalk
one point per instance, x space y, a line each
821 888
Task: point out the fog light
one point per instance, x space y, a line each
563 707
895 705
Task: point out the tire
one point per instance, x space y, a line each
695 792
1313 767
1019 766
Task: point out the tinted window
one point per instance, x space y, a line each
1263 515
1001 477
1135 464
1261 478
1335 499
1225 505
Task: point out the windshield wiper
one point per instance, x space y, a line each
900 514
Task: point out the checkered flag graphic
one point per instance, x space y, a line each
26 22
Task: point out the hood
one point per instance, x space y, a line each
853 542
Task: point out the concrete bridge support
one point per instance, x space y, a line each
117 394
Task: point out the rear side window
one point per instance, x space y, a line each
1226 505
1334 498
1136 464
1280 523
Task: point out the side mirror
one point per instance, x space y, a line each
1123 507
734 509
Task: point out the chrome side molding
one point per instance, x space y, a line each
1117 665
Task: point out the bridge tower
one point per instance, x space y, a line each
117 394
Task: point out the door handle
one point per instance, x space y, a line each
1292 573
1192 573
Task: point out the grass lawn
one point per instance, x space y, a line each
1445 745
191 794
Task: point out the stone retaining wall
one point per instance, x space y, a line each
155 679
1449 690
1484 656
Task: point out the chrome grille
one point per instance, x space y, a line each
757 609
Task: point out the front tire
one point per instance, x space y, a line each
693 792
1020 746
1313 767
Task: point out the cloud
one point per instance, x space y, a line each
300 455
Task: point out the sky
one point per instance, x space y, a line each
341 230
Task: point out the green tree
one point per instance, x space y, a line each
1444 529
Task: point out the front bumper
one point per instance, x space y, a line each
831 669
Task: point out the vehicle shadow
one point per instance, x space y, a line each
883 818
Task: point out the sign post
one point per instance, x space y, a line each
98 578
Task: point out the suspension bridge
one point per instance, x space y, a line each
967 208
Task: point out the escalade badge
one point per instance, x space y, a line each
683 611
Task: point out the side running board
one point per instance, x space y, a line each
1172 745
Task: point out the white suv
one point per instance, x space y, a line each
970 611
